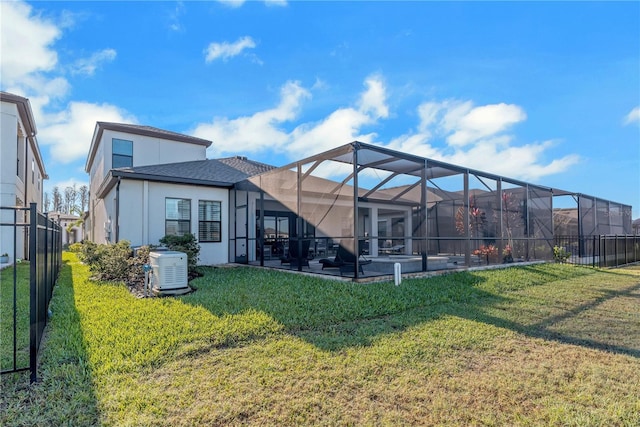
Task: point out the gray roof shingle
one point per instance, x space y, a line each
219 172
153 131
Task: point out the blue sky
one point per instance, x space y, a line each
546 92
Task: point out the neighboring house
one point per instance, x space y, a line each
146 183
72 230
22 170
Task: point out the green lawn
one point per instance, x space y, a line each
536 345
18 326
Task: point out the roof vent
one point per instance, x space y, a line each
241 157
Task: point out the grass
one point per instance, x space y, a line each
21 321
538 345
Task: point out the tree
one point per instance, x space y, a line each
70 197
57 199
512 215
46 203
477 221
84 198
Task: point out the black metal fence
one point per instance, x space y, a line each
43 250
598 251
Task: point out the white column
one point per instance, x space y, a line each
408 228
145 213
373 244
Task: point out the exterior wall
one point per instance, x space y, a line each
33 180
146 151
102 218
142 215
10 184
75 234
17 188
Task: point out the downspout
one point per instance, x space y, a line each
117 224
25 243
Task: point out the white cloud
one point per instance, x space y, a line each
474 137
232 3
175 15
343 125
239 3
471 124
226 50
25 42
89 65
373 100
633 116
522 162
256 132
275 2
264 129
68 133
340 127
452 131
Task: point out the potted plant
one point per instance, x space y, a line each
486 251
4 258
507 256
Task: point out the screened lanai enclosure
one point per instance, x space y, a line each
359 209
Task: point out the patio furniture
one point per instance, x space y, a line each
292 254
345 261
396 249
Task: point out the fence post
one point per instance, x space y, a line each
626 260
33 283
593 252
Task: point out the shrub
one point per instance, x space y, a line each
107 262
187 244
560 254
75 247
136 265
87 252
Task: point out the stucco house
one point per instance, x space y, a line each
22 170
147 182
71 225
356 199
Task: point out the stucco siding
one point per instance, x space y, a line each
142 213
152 151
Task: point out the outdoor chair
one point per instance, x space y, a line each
345 261
292 254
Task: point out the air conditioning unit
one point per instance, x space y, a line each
169 272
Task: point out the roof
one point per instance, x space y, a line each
223 172
138 130
396 162
26 115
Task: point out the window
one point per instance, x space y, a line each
122 153
209 221
177 217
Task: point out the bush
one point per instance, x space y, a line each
117 262
136 265
75 248
107 262
560 254
187 244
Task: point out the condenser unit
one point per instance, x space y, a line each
169 272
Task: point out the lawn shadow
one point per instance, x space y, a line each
336 315
64 394
577 325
